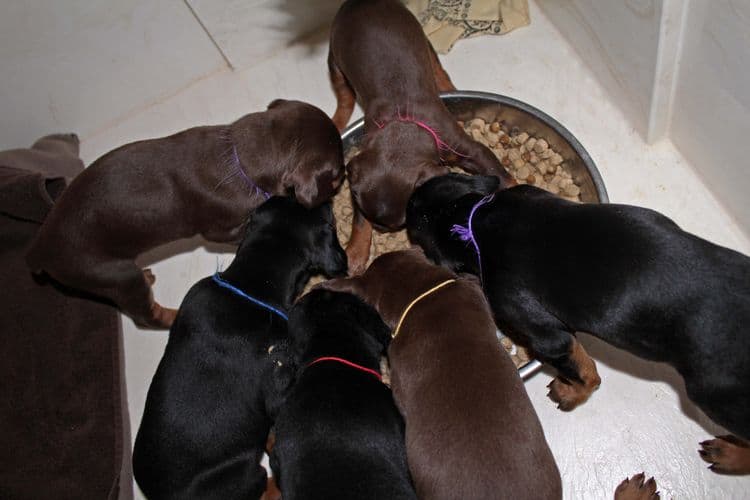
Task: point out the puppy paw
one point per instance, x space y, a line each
161 317
150 278
567 394
636 489
726 454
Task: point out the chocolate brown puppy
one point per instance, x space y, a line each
471 431
202 181
626 274
380 56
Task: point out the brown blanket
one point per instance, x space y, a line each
61 403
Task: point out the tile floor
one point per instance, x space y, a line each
640 419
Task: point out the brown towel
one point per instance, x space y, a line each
61 421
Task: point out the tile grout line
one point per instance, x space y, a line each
208 33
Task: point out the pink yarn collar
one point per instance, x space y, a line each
441 144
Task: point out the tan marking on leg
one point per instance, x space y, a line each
727 455
636 488
570 394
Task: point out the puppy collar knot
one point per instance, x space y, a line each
413 302
225 284
406 118
248 180
348 363
466 233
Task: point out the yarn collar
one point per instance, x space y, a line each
225 284
348 363
406 118
248 180
413 302
466 233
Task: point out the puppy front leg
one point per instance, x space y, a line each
472 156
553 344
442 80
358 248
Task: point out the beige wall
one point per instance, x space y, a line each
711 110
678 69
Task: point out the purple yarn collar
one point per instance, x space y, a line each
466 233
248 180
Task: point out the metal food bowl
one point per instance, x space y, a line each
516 115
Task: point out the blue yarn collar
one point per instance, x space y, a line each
237 291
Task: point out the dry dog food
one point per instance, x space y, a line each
529 159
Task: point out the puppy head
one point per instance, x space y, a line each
323 315
293 226
431 201
381 182
315 169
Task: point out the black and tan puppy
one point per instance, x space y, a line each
471 431
380 56
625 274
339 434
202 181
225 368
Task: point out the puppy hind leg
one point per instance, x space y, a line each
345 97
131 291
442 80
727 455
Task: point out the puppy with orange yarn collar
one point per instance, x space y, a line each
471 431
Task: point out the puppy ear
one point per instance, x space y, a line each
311 185
347 285
485 184
427 171
275 103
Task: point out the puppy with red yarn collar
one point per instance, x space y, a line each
380 56
339 434
202 181
471 431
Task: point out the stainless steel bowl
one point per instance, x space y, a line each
466 104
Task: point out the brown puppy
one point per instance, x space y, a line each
380 54
471 431
204 180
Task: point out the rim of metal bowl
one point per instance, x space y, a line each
534 365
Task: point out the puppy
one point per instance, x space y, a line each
380 56
202 181
339 434
225 370
471 431
627 275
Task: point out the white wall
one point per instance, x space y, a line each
619 41
711 111
678 69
